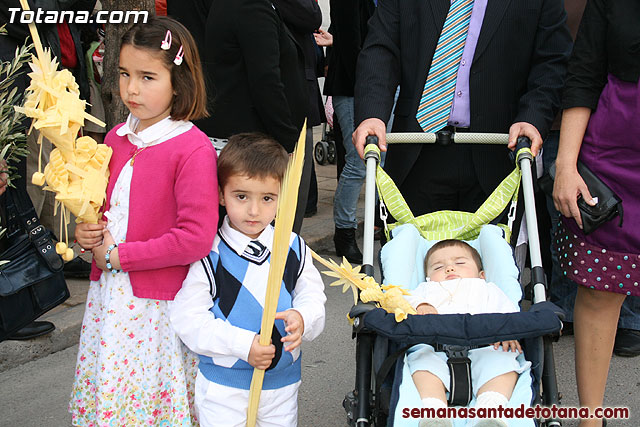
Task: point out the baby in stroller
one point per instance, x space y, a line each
455 285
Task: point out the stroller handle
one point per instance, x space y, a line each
445 137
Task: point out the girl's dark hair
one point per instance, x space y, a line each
190 99
253 155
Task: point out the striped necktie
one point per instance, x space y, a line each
256 252
437 95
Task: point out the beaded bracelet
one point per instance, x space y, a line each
107 258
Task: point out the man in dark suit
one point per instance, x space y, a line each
303 18
193 15
254 70
508 80
349 29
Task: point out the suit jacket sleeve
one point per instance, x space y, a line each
258 34
541 101
378 66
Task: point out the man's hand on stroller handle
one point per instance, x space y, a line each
372 126
511 345
294 327
528 130
260 356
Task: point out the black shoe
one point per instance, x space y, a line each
627 343
346 246
77 268
567 328
310 212
32 330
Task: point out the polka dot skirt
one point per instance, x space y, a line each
596 267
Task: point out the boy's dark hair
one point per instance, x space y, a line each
190 96
254 155
454 243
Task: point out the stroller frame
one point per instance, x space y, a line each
363 404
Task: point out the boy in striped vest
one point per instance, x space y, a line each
218 311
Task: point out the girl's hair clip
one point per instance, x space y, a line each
166 43
178 59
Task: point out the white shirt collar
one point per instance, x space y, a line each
155 134
239 242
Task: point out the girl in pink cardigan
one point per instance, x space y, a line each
161 215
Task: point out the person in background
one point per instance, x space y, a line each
193 15
349 28
64 40
411 43
161 7
303 18
600 128
256 80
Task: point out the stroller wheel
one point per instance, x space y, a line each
320 152
331 152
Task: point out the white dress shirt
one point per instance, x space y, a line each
459 296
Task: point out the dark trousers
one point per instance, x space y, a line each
443 178
303 191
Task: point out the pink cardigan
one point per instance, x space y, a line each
173 210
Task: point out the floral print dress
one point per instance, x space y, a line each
132 369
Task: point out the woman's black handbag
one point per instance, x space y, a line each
609 204
32 281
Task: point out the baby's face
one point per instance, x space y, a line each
452 263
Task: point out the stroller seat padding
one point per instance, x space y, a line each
402 259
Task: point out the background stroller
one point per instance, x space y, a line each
380 341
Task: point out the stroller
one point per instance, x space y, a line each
383 382
324 151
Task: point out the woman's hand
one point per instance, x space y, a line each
323 38
568 186
90 236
